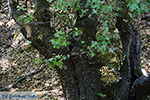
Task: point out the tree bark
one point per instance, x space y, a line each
133 84
81 80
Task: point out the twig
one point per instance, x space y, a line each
4 8
24 77
30 74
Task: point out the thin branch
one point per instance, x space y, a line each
37 70
4 8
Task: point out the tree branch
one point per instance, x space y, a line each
37 70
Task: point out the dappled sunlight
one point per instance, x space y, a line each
17 59
1 23
4 64
11 23
145 67
90 47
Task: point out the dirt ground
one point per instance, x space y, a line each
17 59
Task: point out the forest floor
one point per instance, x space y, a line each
17 59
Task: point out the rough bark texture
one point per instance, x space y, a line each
33 30
130 70
81 80
135 51
126 38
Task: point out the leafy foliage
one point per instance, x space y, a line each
64 17
40 37
101 95
57 61
61 40
27 17
138 7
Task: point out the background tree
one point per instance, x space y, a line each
75 37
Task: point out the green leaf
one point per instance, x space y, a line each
36 60
94 11
49 0
64 57
76 34
29 42
50 64
101 95
21 17
56 35
58 57
51 59
82 42
24 9
40 37
27 21
102 2
19 35
107 38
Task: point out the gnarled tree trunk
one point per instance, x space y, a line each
81 80
133 83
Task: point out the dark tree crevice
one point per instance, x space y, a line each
130 70
125 33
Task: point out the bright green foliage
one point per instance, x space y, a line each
65 11
101 95
49 0
20 8
57 61
138 7
65 18
29 42
40 37
36 60
26 18
60 40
